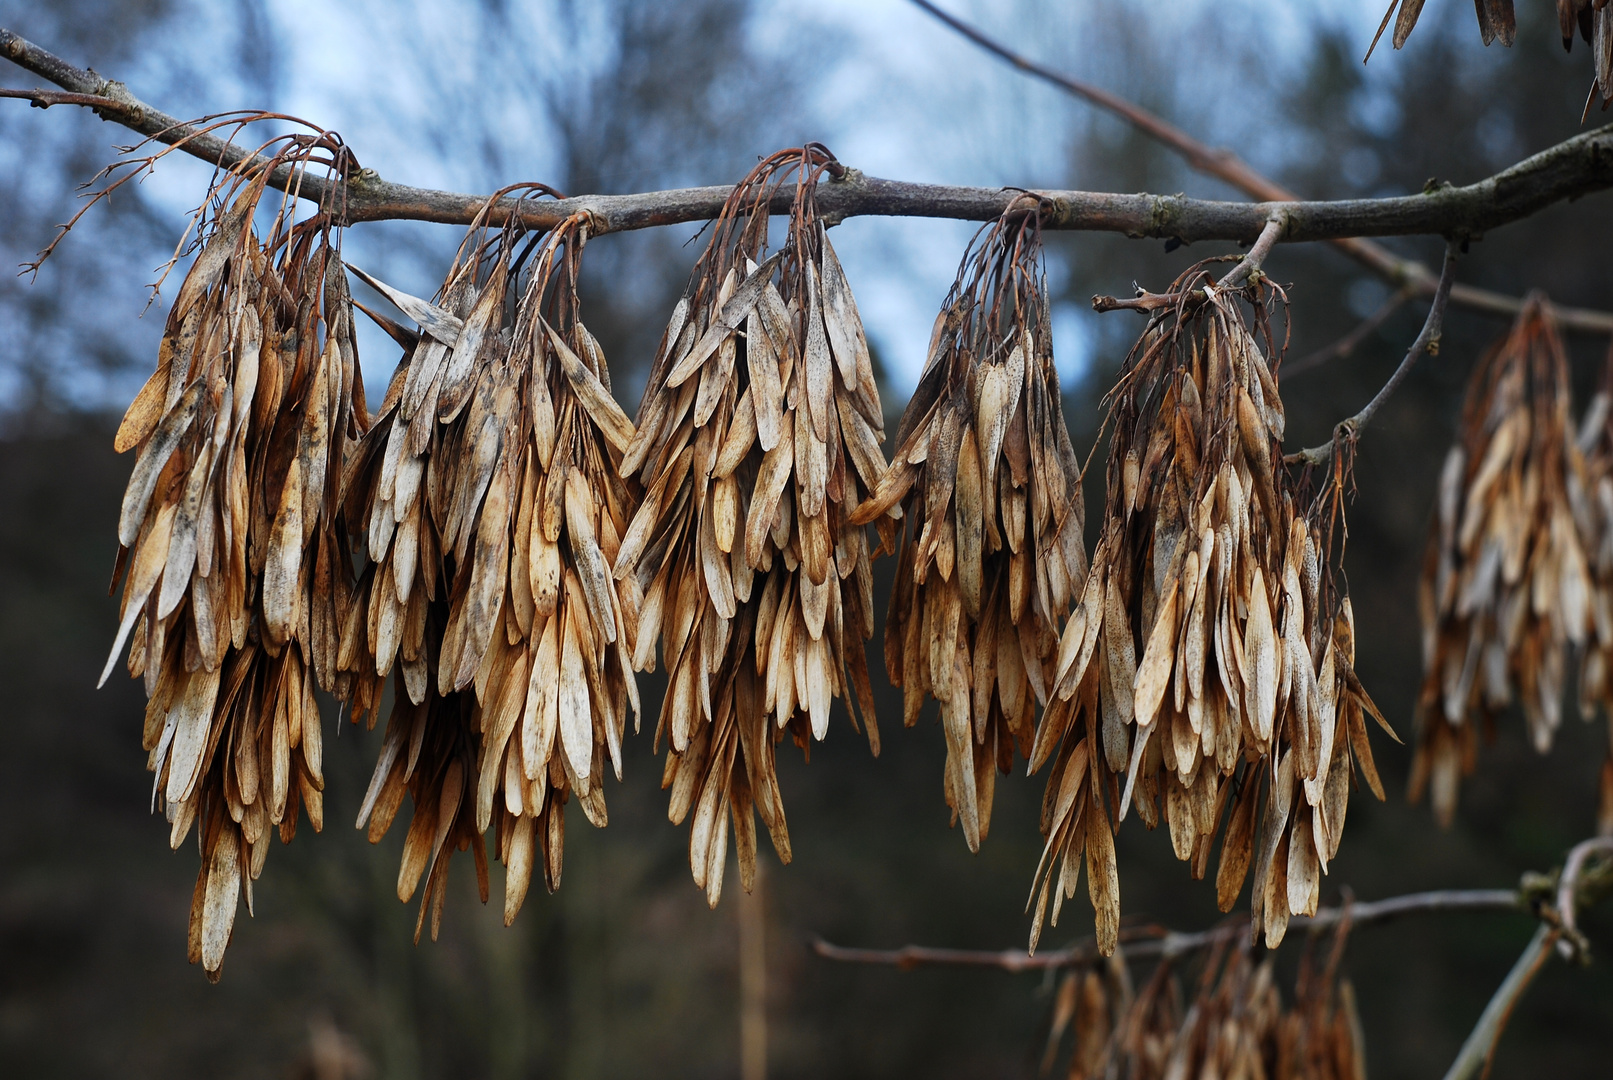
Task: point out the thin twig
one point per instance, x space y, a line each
44 99
1155 942
1226 166
1427 342
1559 927
1252 262
1248 267
1481 1041
1347 344
1144 301
1573 168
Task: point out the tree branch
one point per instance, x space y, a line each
1153 941
1557 927
1573 168
1427 341
1226 166
1481 1041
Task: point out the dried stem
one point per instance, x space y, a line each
1152 941
1347 344
1250 266
1556 927
1480 1046
1226 166
1575 167
1427 341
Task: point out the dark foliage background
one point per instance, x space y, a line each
624 971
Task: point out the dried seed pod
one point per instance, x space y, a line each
493 538
989 490
1506 587
1593 511
1206 673
759 431
1498 22
1235 1022
230 530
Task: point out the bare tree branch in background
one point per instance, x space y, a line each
1427 341
1574 887
1347 344
1224 165
60 356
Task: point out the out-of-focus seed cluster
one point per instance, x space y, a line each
1506 591
1233 1023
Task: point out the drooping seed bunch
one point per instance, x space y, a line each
1506 587
492 549
990 493
230 529
1593 511
1498 21
1234 1023
759 431
1209 661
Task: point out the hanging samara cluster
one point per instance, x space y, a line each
1506 589
759 432
494 513
1209 660
504 548
1594 511
231 531
988 489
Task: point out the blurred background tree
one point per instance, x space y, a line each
624 971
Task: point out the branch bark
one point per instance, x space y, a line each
1226 166
1576 167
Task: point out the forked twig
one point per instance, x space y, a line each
1248 268
1557 927
1226 166
1427 342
